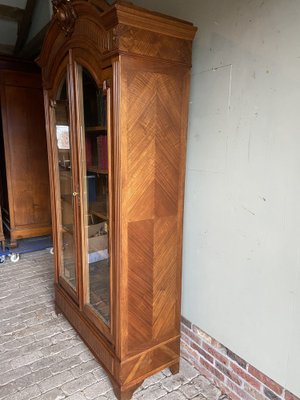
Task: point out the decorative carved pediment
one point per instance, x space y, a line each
65 14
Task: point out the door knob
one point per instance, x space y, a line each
75 194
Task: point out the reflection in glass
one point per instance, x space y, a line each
63 142
95 155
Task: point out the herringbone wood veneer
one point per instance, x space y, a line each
153 186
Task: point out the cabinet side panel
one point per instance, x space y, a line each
155 97
140 283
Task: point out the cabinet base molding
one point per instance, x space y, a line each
25 232
95 341
126 376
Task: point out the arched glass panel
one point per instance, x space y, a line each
66 192
95 174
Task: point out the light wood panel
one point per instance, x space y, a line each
155 152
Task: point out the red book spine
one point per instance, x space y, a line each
102 152
99 151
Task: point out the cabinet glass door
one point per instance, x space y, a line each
95 187
66 194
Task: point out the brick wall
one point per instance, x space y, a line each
233 375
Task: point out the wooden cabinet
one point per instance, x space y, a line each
25 180
116 82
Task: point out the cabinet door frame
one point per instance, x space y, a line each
99 74
64 71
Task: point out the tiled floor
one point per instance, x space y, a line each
41 356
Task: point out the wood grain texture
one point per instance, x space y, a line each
153 186
137 368
25 155
123 28
152 44
146 56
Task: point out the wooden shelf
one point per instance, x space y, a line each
97 128
95 169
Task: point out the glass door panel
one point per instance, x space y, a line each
66 191
95 183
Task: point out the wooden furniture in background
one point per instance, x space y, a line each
2 238
116 82
25 178
1 231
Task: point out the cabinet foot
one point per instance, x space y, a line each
126 394
174 368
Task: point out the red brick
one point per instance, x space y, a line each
185 339
239 391
230 374
265 380
208 375
191 335
254 393
242 363
185 330
244 375
202 352
202 335
269 394
212 369
218 345
189 353
225 390
289 396
184 350
220 357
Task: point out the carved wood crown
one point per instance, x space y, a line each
65 14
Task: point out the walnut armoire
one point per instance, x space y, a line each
24 179
116 86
